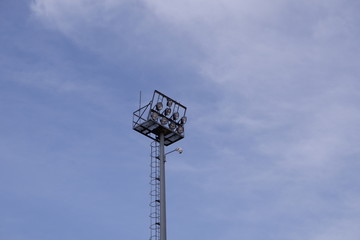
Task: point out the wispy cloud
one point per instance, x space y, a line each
289 84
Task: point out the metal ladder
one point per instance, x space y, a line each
155 192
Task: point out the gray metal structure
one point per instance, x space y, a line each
162 120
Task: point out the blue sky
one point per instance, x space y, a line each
271 148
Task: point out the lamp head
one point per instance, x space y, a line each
163 121
169 103
172 125
154 116
175 116
180 129
167 111
180 150
159 106
183 120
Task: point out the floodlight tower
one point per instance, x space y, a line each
165 126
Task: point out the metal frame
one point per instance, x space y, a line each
146 125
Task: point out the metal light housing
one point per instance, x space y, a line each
154 116
172 125
179 150
180 129
169 103
183 120
159 106
163 121
167 111
175 115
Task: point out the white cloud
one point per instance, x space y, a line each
103 27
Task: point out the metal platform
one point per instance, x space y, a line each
152 129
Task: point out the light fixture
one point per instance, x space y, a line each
167 111
180 129
159 106
183 120
163 121
175 116
154 116
172 125
169 103
180 150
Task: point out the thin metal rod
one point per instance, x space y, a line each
176 149
162 189
140 101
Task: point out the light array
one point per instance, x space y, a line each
171 117
162 115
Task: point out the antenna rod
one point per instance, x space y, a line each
140 100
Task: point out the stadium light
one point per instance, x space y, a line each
165 129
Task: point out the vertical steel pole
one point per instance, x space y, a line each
162 189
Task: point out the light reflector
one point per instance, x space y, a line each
154 116
183 120
167 111
159 106
163 121
180 129
175 116
172 125
169 103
